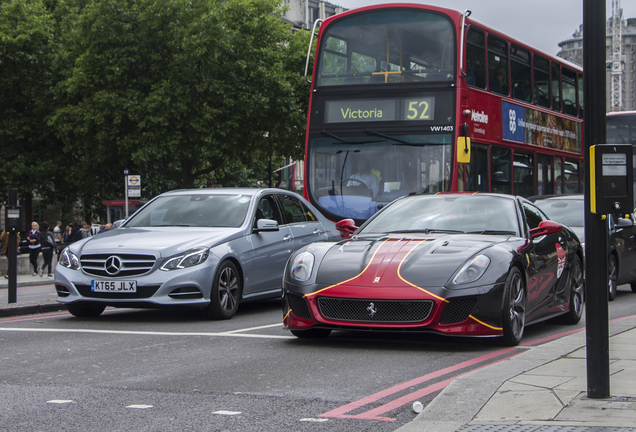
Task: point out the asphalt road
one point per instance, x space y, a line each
145 370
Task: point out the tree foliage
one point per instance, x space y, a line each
30 150
180 92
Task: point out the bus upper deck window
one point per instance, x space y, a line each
568 88
541 81
520 72
556 87
498 65
476 57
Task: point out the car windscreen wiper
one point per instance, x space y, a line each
344 141
492 232
425 231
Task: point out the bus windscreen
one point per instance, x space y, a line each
388 47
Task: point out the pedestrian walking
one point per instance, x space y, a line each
47 241
34 246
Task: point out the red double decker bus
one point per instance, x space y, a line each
409 98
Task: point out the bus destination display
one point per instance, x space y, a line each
374 110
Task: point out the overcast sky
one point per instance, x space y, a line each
539 23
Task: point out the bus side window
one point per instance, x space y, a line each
520 72
541 81
500 169
580 79
568 86
498 65
523 173
556 87
476 57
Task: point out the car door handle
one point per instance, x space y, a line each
287 238
317 232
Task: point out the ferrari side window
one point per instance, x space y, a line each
533 216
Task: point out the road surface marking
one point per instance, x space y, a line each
145 333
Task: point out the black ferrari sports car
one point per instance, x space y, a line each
455 264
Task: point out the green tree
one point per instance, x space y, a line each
30 151
178 91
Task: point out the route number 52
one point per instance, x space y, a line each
418 110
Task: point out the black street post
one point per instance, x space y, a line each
596 277
12 253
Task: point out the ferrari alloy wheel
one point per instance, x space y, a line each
514 311
612 271
577 294
314 333
226 293
84 310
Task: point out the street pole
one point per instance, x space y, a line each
12 252
596 277
126 191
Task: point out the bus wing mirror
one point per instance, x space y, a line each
463 149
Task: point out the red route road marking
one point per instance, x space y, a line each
399 387
374 414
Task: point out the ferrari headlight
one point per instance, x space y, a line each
472 270
301 266
69 260
188 259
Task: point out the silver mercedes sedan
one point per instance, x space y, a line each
206 249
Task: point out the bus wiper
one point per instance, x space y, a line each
381 135
344 141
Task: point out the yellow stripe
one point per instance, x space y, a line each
345 281
484 324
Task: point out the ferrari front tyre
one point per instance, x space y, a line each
226 293
612 270
577 294
314 333
514 308
84 310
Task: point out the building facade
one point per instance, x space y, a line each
303 13
572 50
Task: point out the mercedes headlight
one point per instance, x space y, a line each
472 270
301 266
69 260
190 258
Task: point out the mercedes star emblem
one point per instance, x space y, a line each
113 265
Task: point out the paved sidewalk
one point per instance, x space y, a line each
29 307
543 389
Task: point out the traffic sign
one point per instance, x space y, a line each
134 180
